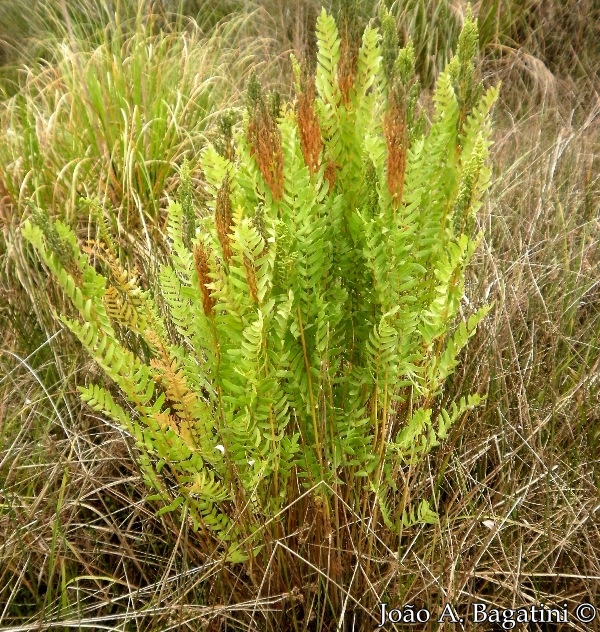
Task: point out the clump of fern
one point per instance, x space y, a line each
292 366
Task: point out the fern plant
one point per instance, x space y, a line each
303 332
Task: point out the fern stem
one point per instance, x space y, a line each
310 393
383 421
379 470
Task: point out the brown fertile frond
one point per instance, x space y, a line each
251 278
309 128
223 219
224 143
258 221
264 139
350 33
202 262
396 136
330 173
347 70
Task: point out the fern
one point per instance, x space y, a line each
306 326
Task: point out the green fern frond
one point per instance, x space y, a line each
307 319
